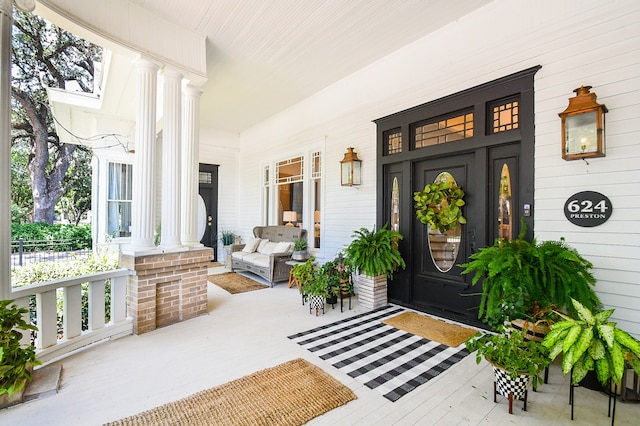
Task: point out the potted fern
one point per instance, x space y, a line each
374 256
520 279
516 361
16 359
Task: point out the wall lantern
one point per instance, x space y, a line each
583 126
351 169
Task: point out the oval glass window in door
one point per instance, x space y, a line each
505 213
395 206
444 247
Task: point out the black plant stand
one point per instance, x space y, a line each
610 413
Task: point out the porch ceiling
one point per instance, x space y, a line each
264 56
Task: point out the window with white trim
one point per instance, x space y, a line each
119 199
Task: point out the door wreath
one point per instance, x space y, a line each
439 204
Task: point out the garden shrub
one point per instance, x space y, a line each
78 235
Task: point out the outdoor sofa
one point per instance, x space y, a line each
267 253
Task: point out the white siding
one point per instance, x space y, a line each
576 42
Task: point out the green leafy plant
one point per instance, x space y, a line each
300 244
304 272
590 342
14 356
227 237
521 277
512 352
439 205
374 252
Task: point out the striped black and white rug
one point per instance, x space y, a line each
385 359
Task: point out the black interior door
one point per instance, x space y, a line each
208 189
442 289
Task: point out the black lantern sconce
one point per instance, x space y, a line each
583 126
350 169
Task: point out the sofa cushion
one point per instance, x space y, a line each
239 255
257 259
251 245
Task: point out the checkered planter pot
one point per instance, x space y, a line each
316 303
506 385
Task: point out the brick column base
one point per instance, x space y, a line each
166 288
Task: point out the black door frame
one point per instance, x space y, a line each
401 163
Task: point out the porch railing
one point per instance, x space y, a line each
48 345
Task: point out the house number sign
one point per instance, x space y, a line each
588 209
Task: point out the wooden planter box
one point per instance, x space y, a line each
372 291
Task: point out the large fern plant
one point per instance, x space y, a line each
589 342
374 252
518 275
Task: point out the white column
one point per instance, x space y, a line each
172 103
144 183
5 149
190 165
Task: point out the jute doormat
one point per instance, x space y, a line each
288 394
235 283
430 328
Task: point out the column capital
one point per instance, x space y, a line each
150 64
170 73
192 90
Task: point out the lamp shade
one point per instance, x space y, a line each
289 216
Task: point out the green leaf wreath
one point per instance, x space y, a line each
439 205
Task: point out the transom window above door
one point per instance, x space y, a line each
443 130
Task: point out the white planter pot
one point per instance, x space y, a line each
372 291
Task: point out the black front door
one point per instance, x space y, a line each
437 284
208 189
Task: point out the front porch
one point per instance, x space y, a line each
247 332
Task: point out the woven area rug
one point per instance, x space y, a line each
390 361
431 328
235 283
288 394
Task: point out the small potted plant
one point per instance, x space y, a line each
317 291
516 361
300 252
228 238
590 342
374 255
16 359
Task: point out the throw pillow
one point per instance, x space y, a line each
283 247
262 245
267 248
251 245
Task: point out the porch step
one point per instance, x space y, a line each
46 382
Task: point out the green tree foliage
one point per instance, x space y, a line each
45 56
80 236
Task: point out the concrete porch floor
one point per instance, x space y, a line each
247 332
